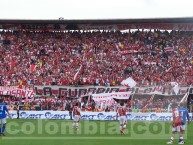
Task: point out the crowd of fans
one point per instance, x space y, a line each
154 103
102 58
137 103
56 104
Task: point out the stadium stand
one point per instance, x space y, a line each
34 55
51 58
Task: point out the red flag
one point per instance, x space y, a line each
32 68
12 65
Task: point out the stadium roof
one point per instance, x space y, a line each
99 21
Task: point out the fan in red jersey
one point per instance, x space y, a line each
121 112
76 115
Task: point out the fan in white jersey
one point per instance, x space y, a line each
76 115
121 113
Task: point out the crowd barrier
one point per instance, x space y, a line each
64 115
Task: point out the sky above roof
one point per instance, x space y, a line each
98 9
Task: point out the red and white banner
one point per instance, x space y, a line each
16 91
129 51
169 48
109 96
162 26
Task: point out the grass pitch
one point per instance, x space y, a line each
60 132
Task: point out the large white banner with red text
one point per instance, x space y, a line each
106 98
109 96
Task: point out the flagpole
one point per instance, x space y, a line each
151 99
185 96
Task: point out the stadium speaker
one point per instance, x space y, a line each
6 42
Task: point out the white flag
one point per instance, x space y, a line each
175 87
129 82
77 72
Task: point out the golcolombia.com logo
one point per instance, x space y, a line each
89 129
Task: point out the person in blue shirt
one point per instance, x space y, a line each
3 114
183 115
183 111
